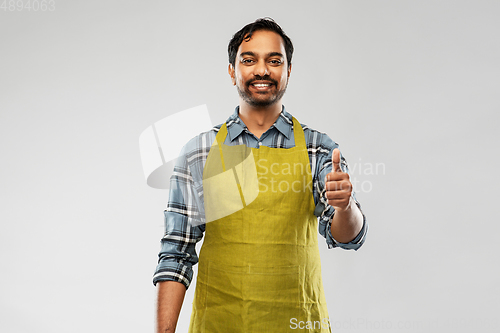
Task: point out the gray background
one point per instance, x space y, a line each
412 85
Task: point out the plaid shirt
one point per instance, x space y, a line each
184 215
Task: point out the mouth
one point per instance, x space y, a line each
261 85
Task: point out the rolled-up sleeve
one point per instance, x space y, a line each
178 250
325 225
325 220
182 229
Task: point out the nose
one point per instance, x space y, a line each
261 69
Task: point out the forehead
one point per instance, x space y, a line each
263 42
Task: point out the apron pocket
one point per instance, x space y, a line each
251 299
271 298
224 306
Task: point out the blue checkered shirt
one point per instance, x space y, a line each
184 215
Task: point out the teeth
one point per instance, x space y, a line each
261 85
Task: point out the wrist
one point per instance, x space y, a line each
345 210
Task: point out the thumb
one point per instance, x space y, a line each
336 160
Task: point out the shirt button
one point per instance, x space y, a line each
260 143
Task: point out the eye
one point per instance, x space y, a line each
276 62
246 61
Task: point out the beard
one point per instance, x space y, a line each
251 99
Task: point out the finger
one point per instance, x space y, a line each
336 176
336 160
337 195
342 185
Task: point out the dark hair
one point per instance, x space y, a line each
246 32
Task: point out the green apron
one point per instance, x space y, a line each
259 265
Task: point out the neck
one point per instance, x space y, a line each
258 120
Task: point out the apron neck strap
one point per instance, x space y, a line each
221 135
298 134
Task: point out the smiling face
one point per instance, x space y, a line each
261 70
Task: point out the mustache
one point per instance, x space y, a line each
262 78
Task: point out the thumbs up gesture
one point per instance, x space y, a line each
338 185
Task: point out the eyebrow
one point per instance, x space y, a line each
270 54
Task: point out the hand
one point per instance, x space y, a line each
338 186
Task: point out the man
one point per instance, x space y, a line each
259 267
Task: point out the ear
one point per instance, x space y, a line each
289 70
230 70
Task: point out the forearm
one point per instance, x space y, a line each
347 223
170 298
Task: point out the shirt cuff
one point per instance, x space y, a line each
355 244
173 271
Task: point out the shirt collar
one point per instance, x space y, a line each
235 126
